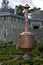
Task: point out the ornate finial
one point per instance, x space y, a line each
27 6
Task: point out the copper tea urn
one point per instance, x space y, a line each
26 38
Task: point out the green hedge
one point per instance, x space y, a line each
34 61
9 52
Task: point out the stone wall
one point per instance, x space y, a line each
38 34
12 33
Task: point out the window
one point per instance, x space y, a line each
19 21
17 24
12 22
23 21
4 25
11 18
14 19
36 27
29 22
4 18
4 35
42 22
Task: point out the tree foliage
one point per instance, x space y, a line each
38 50
34 9
19 10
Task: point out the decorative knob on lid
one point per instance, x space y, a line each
26 6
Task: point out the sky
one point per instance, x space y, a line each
31 3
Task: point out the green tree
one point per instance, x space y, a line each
19 10
33 9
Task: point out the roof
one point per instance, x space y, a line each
4 14
18 16
34 19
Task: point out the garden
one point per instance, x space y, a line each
9 52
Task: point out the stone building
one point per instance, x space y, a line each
11 25
37 14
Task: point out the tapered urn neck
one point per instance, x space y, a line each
26 17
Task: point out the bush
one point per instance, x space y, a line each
11 62
38 50
33 61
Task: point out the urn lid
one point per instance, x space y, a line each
28 33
